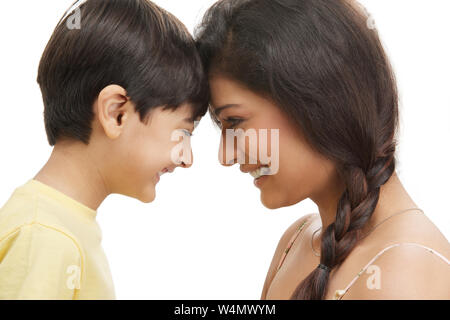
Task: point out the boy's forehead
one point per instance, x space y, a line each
183 114
187 111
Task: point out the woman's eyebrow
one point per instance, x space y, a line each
217 111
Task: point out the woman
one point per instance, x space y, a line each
315 70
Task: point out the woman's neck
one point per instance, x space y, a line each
393 199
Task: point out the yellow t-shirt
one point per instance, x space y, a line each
50 247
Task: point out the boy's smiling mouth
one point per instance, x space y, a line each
165 170
160 173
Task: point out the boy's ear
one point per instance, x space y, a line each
113 110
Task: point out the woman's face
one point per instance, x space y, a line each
297 171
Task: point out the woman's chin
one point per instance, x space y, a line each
270 202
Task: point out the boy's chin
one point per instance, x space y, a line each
148 195
147 200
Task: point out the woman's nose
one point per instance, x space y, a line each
227 153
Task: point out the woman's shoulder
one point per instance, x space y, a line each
408 259
406 270
412 229
283 242
297 225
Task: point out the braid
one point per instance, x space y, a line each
354 210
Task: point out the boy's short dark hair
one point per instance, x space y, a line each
131 43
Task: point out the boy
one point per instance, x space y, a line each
118 79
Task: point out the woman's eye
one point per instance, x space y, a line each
218 123
215 120
233 122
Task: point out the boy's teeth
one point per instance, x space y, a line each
261 171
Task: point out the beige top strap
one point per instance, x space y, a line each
340 293
291 242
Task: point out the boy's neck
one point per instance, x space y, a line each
72 171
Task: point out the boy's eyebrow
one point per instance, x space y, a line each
217 111
189 120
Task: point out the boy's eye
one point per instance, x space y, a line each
187 132
233 122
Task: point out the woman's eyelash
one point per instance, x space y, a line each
233 121
217 122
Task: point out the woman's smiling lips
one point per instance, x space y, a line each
260 180
260 174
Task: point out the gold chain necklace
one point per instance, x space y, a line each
312 238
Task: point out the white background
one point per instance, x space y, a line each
207 236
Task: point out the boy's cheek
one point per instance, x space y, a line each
144 158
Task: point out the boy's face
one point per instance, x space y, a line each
134 158
158 147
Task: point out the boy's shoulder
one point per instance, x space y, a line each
24 210
38 262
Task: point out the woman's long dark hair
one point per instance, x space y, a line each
325 67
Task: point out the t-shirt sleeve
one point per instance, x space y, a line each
39 262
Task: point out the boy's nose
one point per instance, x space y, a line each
187 162
185 165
